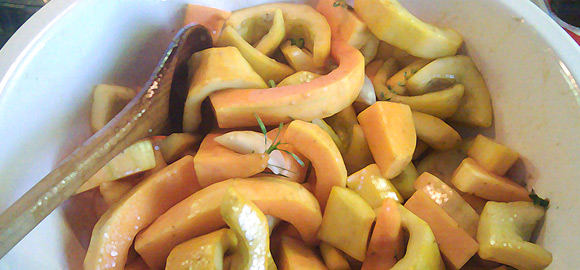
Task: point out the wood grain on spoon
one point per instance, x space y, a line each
147 114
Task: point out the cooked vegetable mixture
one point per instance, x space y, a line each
332 145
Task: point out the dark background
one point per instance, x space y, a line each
13 13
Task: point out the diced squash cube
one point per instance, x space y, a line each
136 158
456 245
204 252
492 156
390 133
214 162
372 187
471 178
451 201
346 222
386 245
333 258
295 255
504 231
404 181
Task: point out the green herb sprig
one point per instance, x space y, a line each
537 200
342 4
297 42
275 142
272 83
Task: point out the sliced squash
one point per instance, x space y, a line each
471 178
387 245
346 223
295 255
397 83
236 107
456 245
212 18
475 107
302 21
420 149
441 104
299 59
204 252
199 214
211 70
491 155
270 42
136 158
405 180
435 132
372 186
390 133
317 146
388 69
344 24
295 171
214 162
373 67
299 77
391 22
333 258
369 50
177 144
108 101
114 232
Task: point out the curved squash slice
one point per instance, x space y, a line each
441 104
200 214
396 83
369 50
268 68
435 132
251 227
270 42
204 252
391 22
386 245
475 107
319 98
215 69
114 232
299 77
299 59
302 21
344 24
214 162
314 143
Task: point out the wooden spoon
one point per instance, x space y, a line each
149 113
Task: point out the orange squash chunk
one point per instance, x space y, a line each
214 162
471 178
456 245
387 243
391 136
491 155
114 232
212 18
344 24
317 146
200 214
308 101
295 255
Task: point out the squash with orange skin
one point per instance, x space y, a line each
212 18
214 162
386 245
114 232
344 24
200 214
296 172
316 145
319 98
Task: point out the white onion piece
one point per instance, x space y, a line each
367 93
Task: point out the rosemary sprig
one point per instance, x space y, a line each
342 4
297 42
276 142
272 83
537 200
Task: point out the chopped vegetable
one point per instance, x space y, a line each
435 132
204 252
387 245
295 255
491 155
372 186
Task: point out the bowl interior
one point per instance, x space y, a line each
51 64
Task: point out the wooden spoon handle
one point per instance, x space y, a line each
145 115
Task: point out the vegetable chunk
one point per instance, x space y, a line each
204 252
504 231
386 245
372 187
295 255
491 155
346 223
390 133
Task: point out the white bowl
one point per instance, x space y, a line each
47 70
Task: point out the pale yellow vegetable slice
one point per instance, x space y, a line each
299 59
299 77
391 22
204 252
268 68
441 104
302 21
504 232
405 180
388 69
270 42
372 186
215 69
422 250
136 158
475 107
108 101
333 258
359 154
435 132
369 49
324 126
420 149
176 144
346 222
491 155
397 83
